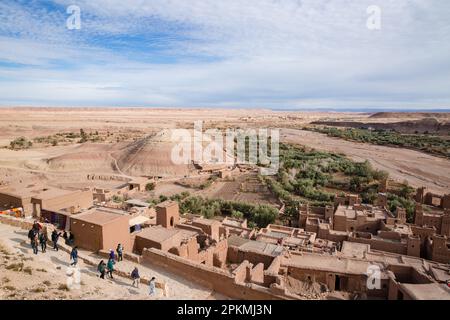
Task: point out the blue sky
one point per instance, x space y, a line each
281 54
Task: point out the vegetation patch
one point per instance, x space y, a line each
423 142
307 174
257 215
20 144
314 177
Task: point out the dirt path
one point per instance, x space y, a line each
117 168
24 275
418 168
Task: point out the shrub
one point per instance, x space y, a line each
150 186
20 143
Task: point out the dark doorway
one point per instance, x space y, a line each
171 221
337 283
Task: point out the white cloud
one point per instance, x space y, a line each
276 53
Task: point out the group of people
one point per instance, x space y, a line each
37 237
108 269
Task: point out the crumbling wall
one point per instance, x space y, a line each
257 274
439 250
445 204
217 279
445 224
236 255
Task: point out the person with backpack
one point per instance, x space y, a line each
31 235
112 255
43 241
102 269
136 277
110 267
119 252
74 256
55 237
37 227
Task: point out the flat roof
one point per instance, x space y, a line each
351 212
37 191
137 203
232 223
100 216
255 246
204 221
428 291
159 234
168 203
51 193
138 220
354 249
327 263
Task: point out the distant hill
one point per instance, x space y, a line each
415 115
426 125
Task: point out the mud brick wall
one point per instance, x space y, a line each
217 279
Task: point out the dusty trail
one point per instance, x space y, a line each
47 272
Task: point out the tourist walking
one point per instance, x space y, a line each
112 255
34 244
71 239
152 286
119 252
110 267
31 235
102 269
43 241
55 238
74 256
37 227
135 276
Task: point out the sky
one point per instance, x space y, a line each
278 54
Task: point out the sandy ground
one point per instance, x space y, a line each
138 155
418 168
44 276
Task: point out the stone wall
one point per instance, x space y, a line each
236 255
217 279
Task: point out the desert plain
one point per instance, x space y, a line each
135 142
